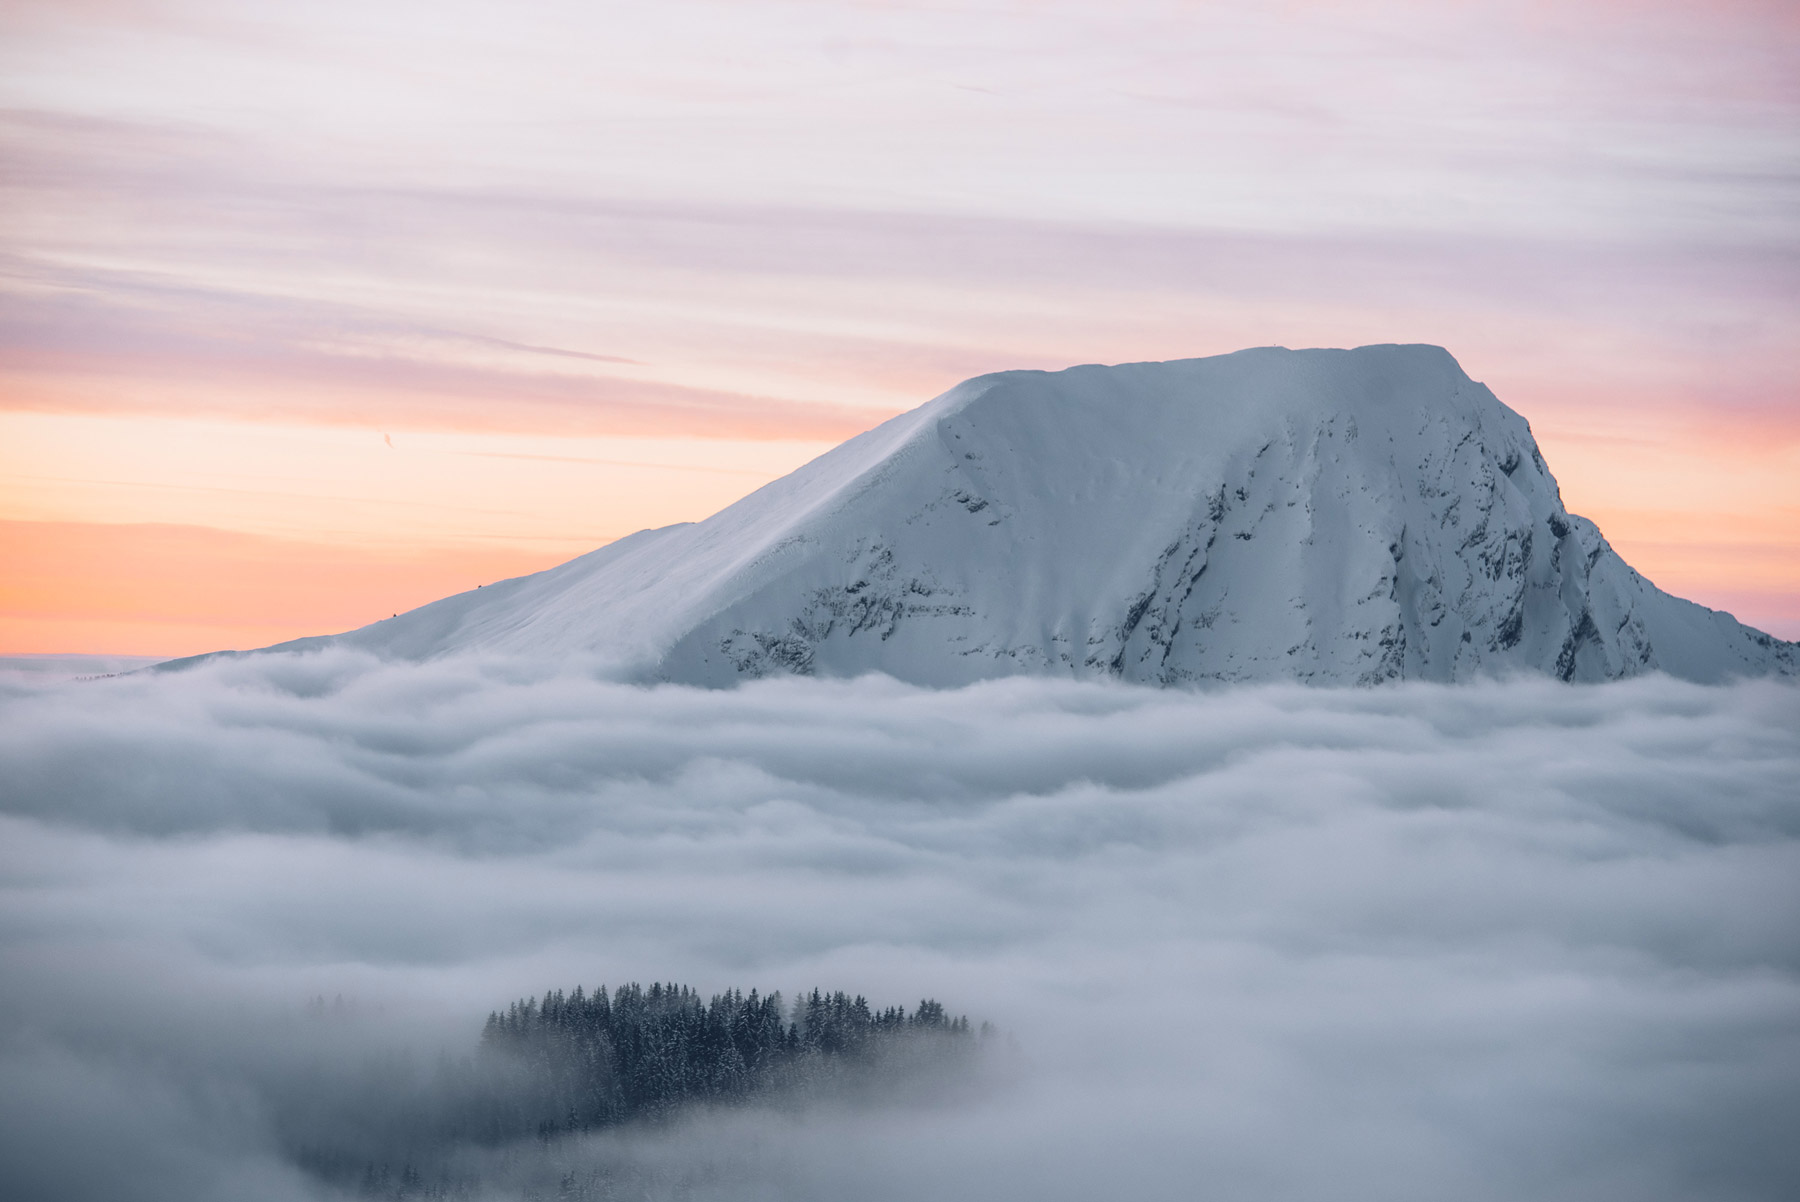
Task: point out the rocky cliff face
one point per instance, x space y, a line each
1327 515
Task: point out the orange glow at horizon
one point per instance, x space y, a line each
166 535
1715 523
148 589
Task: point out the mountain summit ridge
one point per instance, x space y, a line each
1334 516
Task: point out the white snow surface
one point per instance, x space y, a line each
1333 516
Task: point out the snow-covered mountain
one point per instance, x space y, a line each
1343 516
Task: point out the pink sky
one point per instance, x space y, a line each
309 313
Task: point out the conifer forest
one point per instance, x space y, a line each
509 1119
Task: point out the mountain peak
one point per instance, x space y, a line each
1336 516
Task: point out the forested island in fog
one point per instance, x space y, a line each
571 1064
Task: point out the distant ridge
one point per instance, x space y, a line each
1333 516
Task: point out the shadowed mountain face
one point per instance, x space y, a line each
1337 516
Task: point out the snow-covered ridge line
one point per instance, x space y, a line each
1337 516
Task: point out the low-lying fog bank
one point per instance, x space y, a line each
1502 941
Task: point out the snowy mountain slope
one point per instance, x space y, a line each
1343 516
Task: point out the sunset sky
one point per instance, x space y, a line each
311 313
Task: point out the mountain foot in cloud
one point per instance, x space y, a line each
1334 516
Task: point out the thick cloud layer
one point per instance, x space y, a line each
1499 941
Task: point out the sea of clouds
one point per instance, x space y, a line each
1501 941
